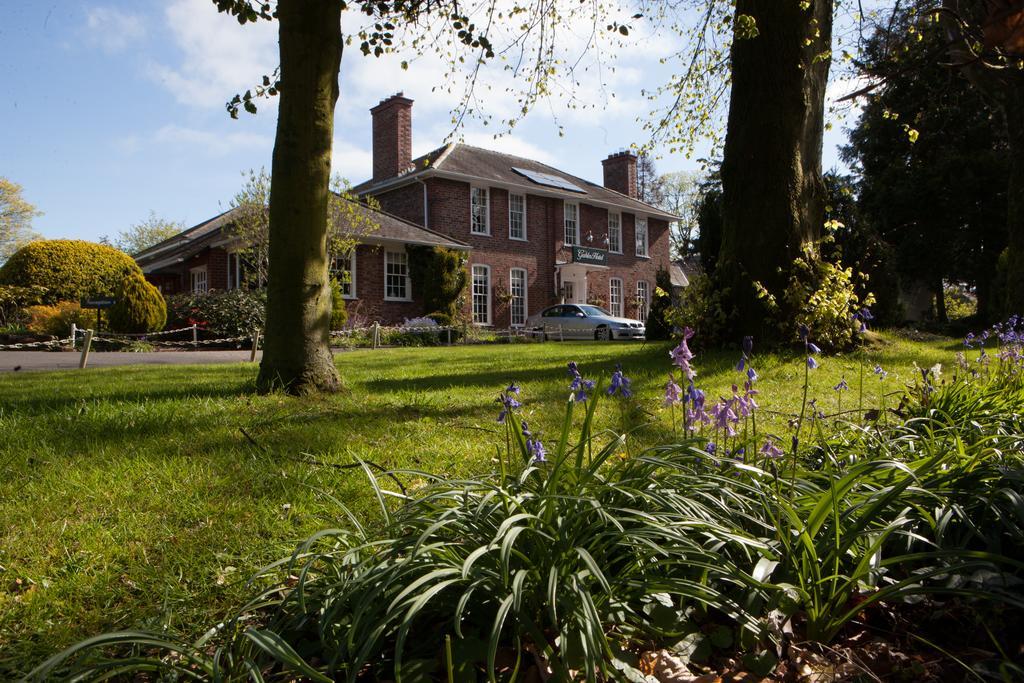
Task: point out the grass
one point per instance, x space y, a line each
145 497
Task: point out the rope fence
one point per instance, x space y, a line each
375 336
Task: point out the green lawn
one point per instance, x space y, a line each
133 497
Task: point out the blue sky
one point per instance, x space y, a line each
112 110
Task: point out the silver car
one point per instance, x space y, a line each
583 321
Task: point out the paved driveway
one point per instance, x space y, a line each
65 360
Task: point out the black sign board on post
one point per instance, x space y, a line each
589 255
99 305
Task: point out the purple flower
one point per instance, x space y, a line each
842 386
672 393
535 449
882 374
803 331
813 348
724 417
865 314
748 346
710 448
811 363
681 355
508 401
579 386
771 450
751 375
741 364
620 384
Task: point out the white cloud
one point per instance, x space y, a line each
351 162
112 30
209 143
219 57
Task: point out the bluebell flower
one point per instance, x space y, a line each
508 402
536 451
811 363
751 374
673 393
771 450
620 384
711 448
742 364
803 331
882 374
579 386
842 386
813 348
748 345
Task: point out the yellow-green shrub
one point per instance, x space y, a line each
56 319
339 313
69 270
140 306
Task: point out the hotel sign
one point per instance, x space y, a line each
589 255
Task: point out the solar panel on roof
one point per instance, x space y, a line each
549 180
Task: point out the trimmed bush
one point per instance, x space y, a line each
339 313
140 307
56 319
69 270
234 313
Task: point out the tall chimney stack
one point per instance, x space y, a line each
392 136
620 173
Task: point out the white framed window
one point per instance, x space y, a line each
615 232
568 292
198 282
396 276
517 216
572 223
481 295
615 297
643 300
479 211
517 291
343 269
641 237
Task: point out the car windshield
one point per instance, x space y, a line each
594 311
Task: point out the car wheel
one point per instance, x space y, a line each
603 334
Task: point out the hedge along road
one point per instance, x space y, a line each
67 360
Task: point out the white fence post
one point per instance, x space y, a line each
376 334
74 335
195 337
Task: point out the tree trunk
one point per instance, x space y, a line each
1013 109
297 355
773 193
941 314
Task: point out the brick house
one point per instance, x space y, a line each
378 285
538 236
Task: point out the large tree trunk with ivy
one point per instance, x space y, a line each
297 354
773 193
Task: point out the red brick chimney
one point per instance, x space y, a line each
392 136
620 173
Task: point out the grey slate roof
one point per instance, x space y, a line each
476 162
387 229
